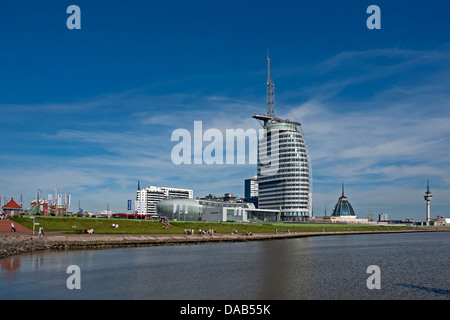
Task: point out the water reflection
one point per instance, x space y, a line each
332 267
286 265
9 266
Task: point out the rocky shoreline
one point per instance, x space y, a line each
15 245
11 245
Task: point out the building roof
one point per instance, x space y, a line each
343 207
12 205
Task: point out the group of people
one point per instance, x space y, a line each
200 231
207 231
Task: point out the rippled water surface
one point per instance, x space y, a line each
412 266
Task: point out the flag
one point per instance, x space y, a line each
186 209
174 207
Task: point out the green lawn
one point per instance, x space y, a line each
131 226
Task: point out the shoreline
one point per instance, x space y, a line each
12 245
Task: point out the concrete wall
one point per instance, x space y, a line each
214 214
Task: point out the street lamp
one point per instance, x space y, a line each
33 224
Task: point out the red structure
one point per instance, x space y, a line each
11 208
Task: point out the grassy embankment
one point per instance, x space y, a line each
131 226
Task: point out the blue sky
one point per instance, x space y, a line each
93 110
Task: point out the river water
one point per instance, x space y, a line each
411 266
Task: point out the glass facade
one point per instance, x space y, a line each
343 208
192 209
262 216
284 171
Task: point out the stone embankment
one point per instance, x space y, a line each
14 244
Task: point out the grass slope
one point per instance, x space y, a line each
131 226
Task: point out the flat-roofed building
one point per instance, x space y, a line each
148 198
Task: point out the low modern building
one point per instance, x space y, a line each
213 210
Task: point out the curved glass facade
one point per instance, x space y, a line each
284 171
180 209
192 209
343 208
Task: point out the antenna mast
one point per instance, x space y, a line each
270 91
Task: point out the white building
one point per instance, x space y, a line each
283 171
147 198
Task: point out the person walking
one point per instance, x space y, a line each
41 232
13 229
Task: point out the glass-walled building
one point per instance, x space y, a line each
193 209
284 170
343 208
284 180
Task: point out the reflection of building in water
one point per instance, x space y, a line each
10 264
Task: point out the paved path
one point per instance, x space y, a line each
5 228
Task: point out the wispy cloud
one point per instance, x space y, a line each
382 143
391 139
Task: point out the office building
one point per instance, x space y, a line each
251 187
251 190
147 198
283 172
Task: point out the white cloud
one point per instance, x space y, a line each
382 145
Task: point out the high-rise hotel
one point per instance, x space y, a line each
283 172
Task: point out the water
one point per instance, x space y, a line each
412 266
